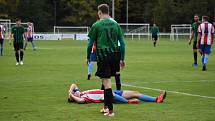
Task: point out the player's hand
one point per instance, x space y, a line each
189 42
197 45
122 64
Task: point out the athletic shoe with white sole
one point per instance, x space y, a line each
104 110
109 113
21 63
17 63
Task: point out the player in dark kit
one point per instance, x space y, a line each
194 35
155 32
18 33
106 32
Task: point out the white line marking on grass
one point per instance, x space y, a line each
182 93
198 81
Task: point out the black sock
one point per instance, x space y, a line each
154 44
17 56
118 82
21 55
109 98
102 87
195 57
105 99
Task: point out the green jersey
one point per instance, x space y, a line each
18 32
195 26
154 30
106 33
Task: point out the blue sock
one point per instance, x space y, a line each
33 45
119 99
147 98
90 68
205 59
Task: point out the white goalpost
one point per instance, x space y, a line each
70 29
72 32
136 30
181 30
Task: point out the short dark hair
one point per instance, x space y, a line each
104 8
18 19
196 15
70 101
205 18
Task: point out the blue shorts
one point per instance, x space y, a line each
93 57
118 92
30 39
205 49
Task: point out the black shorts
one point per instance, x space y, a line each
108 66
155 37
1 41
18 46
194 45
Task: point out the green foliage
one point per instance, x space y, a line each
84 12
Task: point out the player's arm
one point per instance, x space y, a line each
92 37
89 48
199 36
198 40
73 88
122 50
78 99
158 33
10 37
191 37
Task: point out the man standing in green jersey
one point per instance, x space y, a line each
17 33
194 36
106 32
155 32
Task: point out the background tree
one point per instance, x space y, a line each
84 12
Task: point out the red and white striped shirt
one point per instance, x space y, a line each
2 30
29 32
206 31
94 96
93 48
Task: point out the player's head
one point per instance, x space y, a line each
154 24
204 18
18 21
196 17
103 9
29 23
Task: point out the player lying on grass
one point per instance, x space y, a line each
120 96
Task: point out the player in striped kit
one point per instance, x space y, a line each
2 30
205 39
120 96
29 36
17 33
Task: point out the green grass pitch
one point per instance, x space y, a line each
37 91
